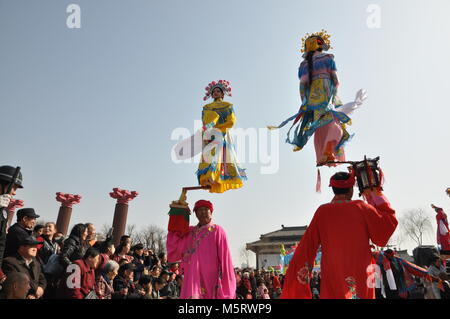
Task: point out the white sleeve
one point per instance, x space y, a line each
442 228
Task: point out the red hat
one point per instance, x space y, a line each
348 183
204 203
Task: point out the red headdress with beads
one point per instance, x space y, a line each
224 85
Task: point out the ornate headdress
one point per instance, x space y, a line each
221 84
312 42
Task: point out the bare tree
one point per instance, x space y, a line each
396 240
132 232
153 237
245 255
415 223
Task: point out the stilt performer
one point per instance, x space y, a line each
322 112
443 233
219 169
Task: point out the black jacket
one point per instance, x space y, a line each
49 248
72 250
34 271
3 222
16 233
120 283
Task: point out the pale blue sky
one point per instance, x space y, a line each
90 109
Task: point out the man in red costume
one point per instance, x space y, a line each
443 234
344 229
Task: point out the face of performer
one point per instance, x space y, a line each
204 215
217 94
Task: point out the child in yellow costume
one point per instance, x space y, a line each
218 168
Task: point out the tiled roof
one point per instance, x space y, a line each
286 232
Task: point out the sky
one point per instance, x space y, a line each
88 109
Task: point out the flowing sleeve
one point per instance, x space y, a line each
303 77
176 243
443 228
414 269
227 277
333 71
380 218
298 275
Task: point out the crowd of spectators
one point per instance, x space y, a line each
39 262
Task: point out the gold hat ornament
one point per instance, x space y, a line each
316 40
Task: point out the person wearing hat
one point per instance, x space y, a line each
6 179
26 220
205 257
343 228
138 260
25 261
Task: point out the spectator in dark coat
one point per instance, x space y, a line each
169 290
158 284
254 283
50 246
85 268
138 261
26 220
150 258
123 283
144 287
25 261
16 286
73 248
163 259
6 182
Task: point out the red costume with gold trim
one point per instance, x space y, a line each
343 229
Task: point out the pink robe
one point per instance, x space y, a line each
205 262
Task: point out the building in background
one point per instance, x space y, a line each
267 248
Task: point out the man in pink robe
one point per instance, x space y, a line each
205 257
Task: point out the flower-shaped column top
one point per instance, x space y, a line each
68 200
123 196
14 204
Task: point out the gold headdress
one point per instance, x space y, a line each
310 41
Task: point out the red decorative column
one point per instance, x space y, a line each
65 211
13 205
121 211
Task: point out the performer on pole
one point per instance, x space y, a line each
443 234
203 251
322 112
343 229
218 168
